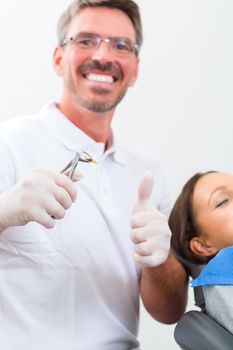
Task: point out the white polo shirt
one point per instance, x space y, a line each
73 287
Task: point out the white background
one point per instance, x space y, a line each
181 108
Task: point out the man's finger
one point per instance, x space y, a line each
150 260
140 219
77 175
146 186
41 217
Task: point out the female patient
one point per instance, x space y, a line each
201 222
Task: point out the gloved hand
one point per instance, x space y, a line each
42 196
150 231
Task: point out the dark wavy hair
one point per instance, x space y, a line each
182 222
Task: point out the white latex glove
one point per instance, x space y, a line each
150 231
42 196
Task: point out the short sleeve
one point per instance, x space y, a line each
7 172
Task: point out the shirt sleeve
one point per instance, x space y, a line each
7 173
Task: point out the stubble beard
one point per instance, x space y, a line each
93 104
96 104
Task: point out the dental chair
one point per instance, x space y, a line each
196 330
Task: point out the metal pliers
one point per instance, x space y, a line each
82 156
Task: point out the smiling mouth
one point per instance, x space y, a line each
100 78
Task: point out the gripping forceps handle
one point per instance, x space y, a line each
72 165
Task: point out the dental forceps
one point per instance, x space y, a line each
82 156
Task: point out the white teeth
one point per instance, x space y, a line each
100 78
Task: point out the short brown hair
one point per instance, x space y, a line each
182 222
129 7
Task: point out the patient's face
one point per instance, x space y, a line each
213 207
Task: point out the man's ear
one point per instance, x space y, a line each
201 247
135 72
57 60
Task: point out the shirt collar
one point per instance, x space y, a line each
114 149
75 139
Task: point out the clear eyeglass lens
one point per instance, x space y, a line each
86 42
118 45
121 45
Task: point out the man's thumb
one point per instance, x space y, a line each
144 192
146 186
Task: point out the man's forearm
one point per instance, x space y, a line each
164 290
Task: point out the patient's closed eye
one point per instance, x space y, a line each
221 202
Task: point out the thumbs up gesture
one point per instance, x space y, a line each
149 228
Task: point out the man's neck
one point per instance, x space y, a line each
95 125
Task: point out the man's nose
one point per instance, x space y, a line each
103 52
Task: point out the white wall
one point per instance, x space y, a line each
180 109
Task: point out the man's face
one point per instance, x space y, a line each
97 78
